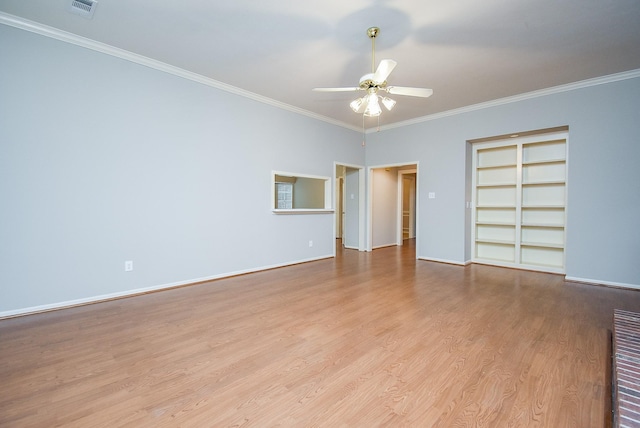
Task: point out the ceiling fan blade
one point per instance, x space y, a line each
336 89
384 69
412 92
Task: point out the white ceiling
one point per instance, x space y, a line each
467 51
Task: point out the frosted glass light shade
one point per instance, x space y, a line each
373 108
388 103
356 105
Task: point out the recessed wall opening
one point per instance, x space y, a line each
393 204
518 191
299 193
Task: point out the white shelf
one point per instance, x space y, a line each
519 202
498 166
495 241
541 245
543 161
496 214
542 256
546 207
497 185
495 223
544 151
497 157
498 251
543 183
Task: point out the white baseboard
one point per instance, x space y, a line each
130 293
394 244
600 282
450 262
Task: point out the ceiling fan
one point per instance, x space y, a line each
377 81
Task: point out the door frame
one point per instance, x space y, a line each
416 169
361 203
413 204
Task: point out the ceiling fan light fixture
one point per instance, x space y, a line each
388 103
373 107
376 81
356 104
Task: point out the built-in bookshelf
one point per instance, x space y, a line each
519 202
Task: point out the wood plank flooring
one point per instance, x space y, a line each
362 340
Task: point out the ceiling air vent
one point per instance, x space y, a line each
84 8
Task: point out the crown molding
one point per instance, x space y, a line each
64 36
54 33
632 74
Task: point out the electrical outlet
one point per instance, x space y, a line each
310 244
128 266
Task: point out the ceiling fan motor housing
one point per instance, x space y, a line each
366 81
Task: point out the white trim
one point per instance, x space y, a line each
369 209
450 262
532 268
631 74
303 211
362 211
370 201
327 194
145 290
400 213
600 282
377 247
54 33
361 204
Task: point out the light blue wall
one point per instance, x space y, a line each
103 160
603 236
309 193
441 220
384 207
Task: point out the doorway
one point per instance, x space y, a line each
350 206
393 205
406 205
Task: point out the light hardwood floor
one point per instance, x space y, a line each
362 340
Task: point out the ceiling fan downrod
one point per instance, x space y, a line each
373 32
